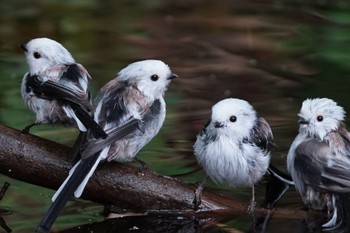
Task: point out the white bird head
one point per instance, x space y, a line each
233 117
42 53
320 116
151 77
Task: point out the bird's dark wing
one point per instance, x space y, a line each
74 73
310 160
321 166
120 131
261 133
337 174
118 102
55 91
150 115
93 145
111 113
111 107
69 93
67 88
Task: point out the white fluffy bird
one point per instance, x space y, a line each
319 159
56 87
131 110
233 146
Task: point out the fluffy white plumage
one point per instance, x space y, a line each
138 70
51 54
232 147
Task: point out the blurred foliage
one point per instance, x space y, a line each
324 47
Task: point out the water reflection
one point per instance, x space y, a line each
273 54
141 224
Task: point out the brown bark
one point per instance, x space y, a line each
42 162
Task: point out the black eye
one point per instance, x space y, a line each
320 118
154 77
233 118
37 55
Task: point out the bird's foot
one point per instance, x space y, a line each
251 206
198 196
27 128
197 201
143 165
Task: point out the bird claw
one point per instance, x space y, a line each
198 196
143 168
197 201
143 165
251 207
27 128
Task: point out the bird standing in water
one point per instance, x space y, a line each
233 146
319 159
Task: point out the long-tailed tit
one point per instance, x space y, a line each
131 110
319 158
233 146
56 87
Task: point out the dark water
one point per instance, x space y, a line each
271 53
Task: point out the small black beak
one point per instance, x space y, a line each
302 121
172 76
23 46
218 124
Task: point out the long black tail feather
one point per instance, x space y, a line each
88 121
66 193
83 168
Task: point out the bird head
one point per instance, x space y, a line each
151 77
43 53
320 116
233 117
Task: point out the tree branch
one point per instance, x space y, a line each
42 162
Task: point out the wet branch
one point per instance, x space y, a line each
42 162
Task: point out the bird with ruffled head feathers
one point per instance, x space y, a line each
319 159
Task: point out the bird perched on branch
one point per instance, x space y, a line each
56 87
319 159
233 146
131 110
